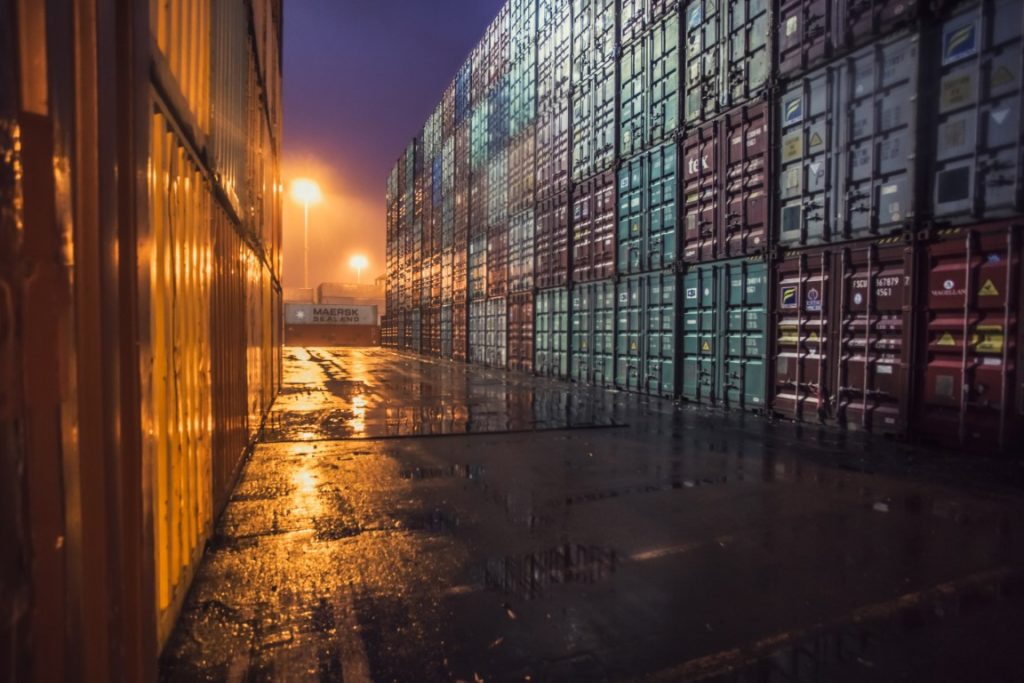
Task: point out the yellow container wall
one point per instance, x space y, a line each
181 266
182 32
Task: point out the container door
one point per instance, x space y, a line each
699 335
660 332
629 345
604 335
661 215
744 319
701 185
745 161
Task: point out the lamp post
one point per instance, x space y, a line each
359 263
306 192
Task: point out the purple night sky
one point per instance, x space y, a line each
360 78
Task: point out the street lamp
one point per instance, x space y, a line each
306 192
359 263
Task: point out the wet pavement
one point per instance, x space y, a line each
415 520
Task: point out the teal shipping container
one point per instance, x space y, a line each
647 218
724 341
551 333
649 103
646 307
592 340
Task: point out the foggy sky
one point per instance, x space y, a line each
360 78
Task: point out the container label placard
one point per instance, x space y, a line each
323 314
959 42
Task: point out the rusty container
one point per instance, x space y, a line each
970 388
725 186
520 331
593 228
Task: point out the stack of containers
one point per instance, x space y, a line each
724 233
551 211
645 296
521 181
810 209
594 82
968 386
849 199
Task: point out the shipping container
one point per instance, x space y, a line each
430 343
479 83
594 121
646 239
724 187
970 387
728 55
520 331
521 242
977 108
551 333
552 243
497 191
593 228
488 332
463 93
497 260
499 46
592 335
554 67
847 147
724 340
447 339
523 66
522 172
649 99
478 267
460 331
646 309
811 32
637 16
843 335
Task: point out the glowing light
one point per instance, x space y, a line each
306 191
359 262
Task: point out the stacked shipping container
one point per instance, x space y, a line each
141 340
798 207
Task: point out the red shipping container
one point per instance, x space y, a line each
843 335
497 260
725 189
520 331
552 246
593 228
971 391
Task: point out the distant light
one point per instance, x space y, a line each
359 262
306 191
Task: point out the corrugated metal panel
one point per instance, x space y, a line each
179 377
593 225
488 332
847 132
637 16
523 66
552 246
649 105
180 30
724 334
497 260
647 232
725 186
728 55
520 331
522 171
594 120
460 330
646 308
592 337
551 333
478 267
978 128
431 341
970 386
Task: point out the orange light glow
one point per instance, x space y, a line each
359 262
306 191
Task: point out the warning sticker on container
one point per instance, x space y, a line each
691 293
788 298
792 25
1002 75
959 42
706 346
794 111
957 90
792 147
988 289
813 301
946 340
816 140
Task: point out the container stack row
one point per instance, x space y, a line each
804 208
